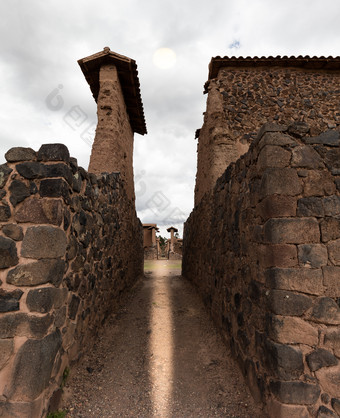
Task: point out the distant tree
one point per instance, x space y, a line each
162 242
177 235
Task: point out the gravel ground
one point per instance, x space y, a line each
159 356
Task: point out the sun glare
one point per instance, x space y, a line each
164 58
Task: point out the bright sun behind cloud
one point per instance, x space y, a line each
164 58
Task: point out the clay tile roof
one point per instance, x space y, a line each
128 77
307 62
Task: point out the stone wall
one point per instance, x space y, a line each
243 97
70 245
263 250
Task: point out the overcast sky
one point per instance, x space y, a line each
41 41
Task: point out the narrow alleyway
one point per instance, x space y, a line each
160 356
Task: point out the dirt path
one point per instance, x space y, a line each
160 356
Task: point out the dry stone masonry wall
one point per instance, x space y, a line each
70 244
264 251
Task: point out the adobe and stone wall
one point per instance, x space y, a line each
242 98
70 245
266 260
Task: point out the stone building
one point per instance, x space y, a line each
150 242
262 244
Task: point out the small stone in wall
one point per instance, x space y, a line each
6 350
44 242
30 170
73 307
330 138
324 412
9 301
326 310
42 300
5 171
19 191
13 231
320 358
54 188
5 213
8 253
336 405
53 152
20 154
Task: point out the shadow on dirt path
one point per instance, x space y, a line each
159 356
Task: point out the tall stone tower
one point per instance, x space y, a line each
114 83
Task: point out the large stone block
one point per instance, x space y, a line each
332 205
53 152
23 325
9 301
8 253
330 229
42 300
283 302
54 188
320 358
329 378
277 409
284 361
44 242
331 280
310 206
6 350
334 251
59 170
292 231
319 183
19 191
330 138
20 154
298 279
40 211
33 367
299 393
5 171
277 206
292 330
306 157
282 181
36 273
278 255
312 255
326 311
272 156
31 170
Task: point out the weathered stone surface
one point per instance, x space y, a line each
334 251
41 211
60 317
54 188
324 412
332 205
9 301
33 367
53 152
278 255
5 213
282 302
277 206
320 358
23 325
330 138
279 410
306 157
310 206
73 307
272 156
36 273
292 330
284 361
319 183
299 279
269 130
332 339
20 154
292 231
59 170
31 170
6 350
44 242
13 231
42 300
299 129
19 191
331 280
326 310
312 255
329 378
300 393
336 405
5 171
282 181
8 253
330 229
